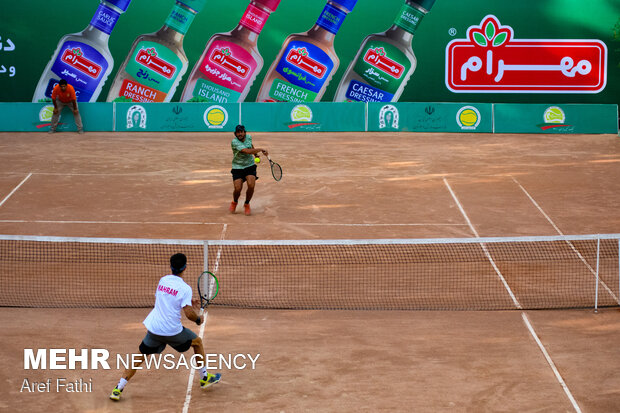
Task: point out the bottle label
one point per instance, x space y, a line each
138 92
361 92
82 66
254 18
154 69
105 18
331 18
383 66
282 91
305 65
180 19
409 18
228 69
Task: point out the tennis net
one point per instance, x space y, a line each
393 274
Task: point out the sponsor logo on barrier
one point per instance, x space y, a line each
433 120
46 113
468 118
555 119
388 117
136 117
491 60
215 117
176 121
301 117
45 118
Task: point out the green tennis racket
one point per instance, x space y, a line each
208 287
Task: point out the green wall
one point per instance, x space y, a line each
320 117
35 27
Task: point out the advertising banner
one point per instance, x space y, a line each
137 51
179 117
32 117
310 117
430 117
556 118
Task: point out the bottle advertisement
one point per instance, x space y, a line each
313 51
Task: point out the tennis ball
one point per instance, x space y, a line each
468 117
257 159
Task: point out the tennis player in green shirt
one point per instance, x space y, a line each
243 167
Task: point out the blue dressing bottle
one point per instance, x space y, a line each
83 59
307 61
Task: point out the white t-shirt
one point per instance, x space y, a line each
171 296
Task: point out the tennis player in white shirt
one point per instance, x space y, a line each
164 326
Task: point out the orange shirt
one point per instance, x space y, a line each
67 96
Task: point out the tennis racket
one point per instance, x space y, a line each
276 169
208 287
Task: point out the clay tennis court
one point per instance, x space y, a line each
335 186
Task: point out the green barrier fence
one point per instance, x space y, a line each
316 117
319 117
430 117
565 118
30 117
178 117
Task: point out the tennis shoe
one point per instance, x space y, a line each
232 207
51 131
81 131
247 210
116 394
209 380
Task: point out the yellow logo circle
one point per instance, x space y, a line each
468 117
216 117
46 112
554 114
301 113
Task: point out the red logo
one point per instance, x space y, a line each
376 57
299 57
222 57
75 58
490 60
148 58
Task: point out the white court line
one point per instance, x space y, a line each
523 315
190 380
570 244
557 374
484 247
25 221
15 189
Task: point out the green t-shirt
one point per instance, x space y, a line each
241 160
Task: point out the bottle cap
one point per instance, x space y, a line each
347 4
196 5
270 4
119 4
425 4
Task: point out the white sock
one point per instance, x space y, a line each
203 372
121 384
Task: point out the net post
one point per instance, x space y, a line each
205 252
598 249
